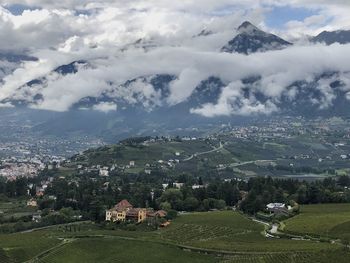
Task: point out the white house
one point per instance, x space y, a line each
104 172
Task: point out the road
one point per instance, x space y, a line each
201 153
244 163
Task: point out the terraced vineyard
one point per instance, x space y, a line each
333 220
230 231
20 247
4 258
267 258
118 250
212 237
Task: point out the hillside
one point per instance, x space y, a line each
295 152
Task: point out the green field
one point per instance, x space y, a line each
15 208
327 220
122 155
302 151
223 236
121 250
230 231
23 246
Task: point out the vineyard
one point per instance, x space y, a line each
333 221
4 258
230 231
211 237
270 258
118 250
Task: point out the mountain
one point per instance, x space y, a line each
144 104
329 38
10 61
12 57
251 39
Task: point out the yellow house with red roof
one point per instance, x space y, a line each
124 211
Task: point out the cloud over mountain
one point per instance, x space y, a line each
126 44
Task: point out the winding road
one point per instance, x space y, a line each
201 153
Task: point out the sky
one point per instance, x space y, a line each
104 32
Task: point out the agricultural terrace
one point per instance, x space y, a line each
326 220
230 231
215 237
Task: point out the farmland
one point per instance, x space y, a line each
287 156
15 208
23 246
230 231
120 250
224 236
327 220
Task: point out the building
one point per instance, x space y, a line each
36 218
124 211
104 172
277 208
32 202
136 215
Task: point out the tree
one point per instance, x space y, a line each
344 180
190 204
174 197
165 206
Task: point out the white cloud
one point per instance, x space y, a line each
57 35
105 107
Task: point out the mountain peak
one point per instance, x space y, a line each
247 27
331 37
251 39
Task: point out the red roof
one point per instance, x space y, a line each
134 212
124 204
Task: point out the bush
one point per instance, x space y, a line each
172 214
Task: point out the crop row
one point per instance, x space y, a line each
270 258
3 257
190 232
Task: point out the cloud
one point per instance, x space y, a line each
105 107
103 32
6 105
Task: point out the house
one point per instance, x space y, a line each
178 185
124 211
32 202
197 186
104 172
40 193
132 163
158 214
136 215
153 217
277 208
36 218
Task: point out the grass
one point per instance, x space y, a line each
217 231
328 220
122 250
20 247
339 256
13 206
142 155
